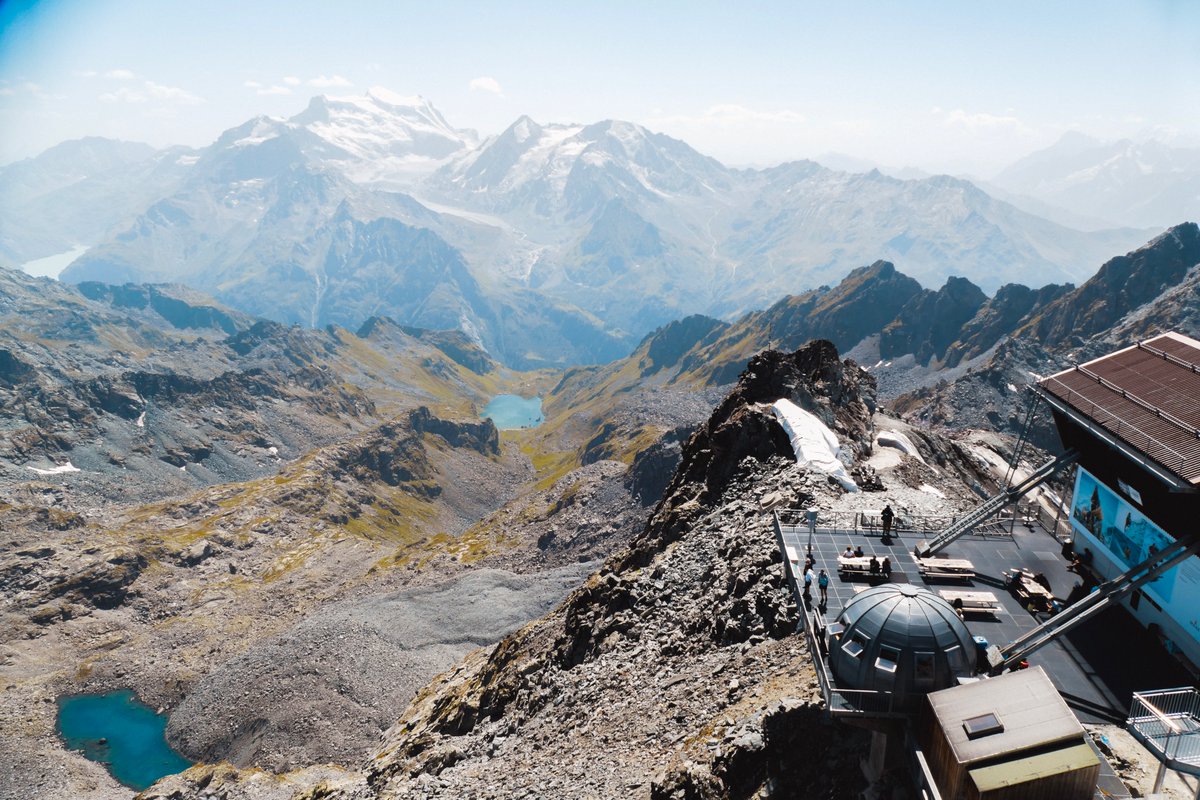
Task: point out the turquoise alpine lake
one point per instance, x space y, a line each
509 411
121 733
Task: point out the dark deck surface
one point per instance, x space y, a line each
1096 666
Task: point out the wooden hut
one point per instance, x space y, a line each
1011 737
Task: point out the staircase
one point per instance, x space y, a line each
995 504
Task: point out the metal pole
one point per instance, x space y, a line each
1158 779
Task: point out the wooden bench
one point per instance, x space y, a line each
985 602
860 566
948 568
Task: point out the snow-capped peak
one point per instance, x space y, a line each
388 137
397 100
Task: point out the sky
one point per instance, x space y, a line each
955 87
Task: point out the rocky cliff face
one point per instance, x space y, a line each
931 321
1003 313
1122 285
180 306
1153 289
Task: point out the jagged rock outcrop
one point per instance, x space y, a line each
1002 314
653 468
668 344
841 394
483 437
182 307
930 322
457 345
1122 285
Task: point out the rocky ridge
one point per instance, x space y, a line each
1153 289
121 394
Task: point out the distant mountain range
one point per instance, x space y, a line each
1134 183
546 244
922 342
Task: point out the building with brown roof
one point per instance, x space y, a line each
1008 738
1134 418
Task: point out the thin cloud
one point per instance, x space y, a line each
331 82
980 121
120 75
486 84
259 88
148 91
123 95
24 87
292 80
728 115
172 93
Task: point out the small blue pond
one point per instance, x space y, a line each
120 733
510 411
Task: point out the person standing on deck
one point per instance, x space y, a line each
887 515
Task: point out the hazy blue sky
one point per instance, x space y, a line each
949 86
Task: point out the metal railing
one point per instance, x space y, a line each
1174 359
867 522
1168 723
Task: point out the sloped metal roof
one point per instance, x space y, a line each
1147 395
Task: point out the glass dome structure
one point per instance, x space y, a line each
902 639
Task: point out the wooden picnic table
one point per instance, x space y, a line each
860 565
946 568
1026 588
856 564
971 601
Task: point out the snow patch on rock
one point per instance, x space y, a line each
59 470
900 442
814 444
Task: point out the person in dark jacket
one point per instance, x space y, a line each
887 515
